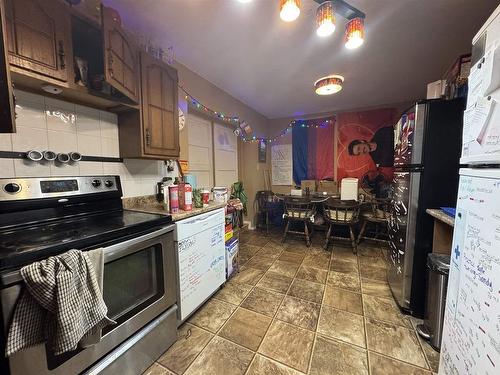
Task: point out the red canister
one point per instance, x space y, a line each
173 192
187 204
205 197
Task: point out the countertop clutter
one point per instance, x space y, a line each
149 204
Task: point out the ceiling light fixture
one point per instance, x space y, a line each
289 10
329 85
325 19
354 33
244 1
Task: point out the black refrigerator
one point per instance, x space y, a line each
427 147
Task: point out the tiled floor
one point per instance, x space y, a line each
298 310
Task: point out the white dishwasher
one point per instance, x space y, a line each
200 251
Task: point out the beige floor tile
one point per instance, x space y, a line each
372 272
288 256
221 357
244 258
344 281
233 292
288 344
380 365
296 246
321 261
375 288
431 355
372 261
248 276
307 290
157 369
263 301
384 309
343 300
190 342
274 281
303 314
394 341
212 315
344 253
248 249
312 274
260 262
246 328
369 250
335 357
270 252
342 325
287 269
259 239
344 266
265 366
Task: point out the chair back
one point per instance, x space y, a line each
262 199
381 208
343 212
298 208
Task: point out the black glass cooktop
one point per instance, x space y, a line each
23 245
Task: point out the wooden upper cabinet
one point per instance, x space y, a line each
120 57
7 111
39 37
160 113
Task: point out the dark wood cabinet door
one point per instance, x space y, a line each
7 111
120 57
159 107
39 37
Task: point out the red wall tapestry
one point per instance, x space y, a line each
365 146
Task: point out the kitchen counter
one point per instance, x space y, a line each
441 216
150 204
443 231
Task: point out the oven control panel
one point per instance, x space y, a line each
54 187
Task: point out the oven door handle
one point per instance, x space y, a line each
111 253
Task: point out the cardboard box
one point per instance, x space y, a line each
311 184
330 187
228 235
232 263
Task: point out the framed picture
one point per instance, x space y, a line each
262 151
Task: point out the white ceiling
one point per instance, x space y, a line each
270 65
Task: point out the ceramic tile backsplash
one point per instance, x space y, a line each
45 123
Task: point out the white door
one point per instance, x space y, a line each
226 156
200 155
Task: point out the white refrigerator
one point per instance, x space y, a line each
201 260
471 334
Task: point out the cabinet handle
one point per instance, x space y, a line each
110 63
62 55
148 137
14 102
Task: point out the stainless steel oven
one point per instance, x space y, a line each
139 287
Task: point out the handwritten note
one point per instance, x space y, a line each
471 337
281 165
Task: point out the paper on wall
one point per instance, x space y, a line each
477 120
491 70
281 164
475 84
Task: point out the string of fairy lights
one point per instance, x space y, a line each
241 127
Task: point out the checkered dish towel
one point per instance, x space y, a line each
60 305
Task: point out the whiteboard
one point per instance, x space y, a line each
281 165
471 336
201 261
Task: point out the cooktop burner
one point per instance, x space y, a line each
40 217
27 244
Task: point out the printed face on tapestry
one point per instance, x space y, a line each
365 144
380 147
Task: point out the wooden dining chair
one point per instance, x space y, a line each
378 214
344 213
264 208
299 210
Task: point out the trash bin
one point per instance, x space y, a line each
438 266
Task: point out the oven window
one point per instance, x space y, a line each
133 282
130 284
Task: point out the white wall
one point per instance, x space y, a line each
45 123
